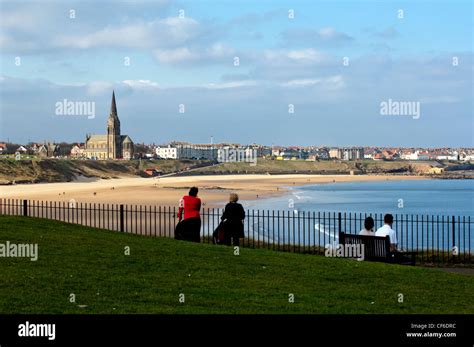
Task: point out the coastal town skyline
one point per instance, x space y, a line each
210 151
85 109
253 73
88 109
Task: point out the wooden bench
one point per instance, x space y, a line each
377 248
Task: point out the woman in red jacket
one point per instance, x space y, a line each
189 227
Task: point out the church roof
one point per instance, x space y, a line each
98 138
126 138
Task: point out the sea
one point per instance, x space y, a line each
420 197
424 212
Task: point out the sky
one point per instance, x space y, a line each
268 72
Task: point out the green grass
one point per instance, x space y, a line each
91 264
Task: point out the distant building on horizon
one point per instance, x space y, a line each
113 145
167 152
346 153
182 150
48 150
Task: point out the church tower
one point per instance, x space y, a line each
114 141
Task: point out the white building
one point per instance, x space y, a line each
77 151
409 155
448 156
276 152
232 154
21 149
202 152
187 151
346 153
466 157
167 152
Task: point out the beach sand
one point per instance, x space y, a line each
166 191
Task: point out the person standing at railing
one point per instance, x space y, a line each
189 226
233 221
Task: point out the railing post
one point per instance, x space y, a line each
25 208
453 221
121 218
339 221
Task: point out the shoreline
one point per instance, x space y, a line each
166 191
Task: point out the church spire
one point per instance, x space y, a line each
113 107
113 123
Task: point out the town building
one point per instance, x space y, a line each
409 154
352 153
48 150
167 152
77 151
113 145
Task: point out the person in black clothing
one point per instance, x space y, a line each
233 221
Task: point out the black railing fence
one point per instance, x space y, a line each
435 238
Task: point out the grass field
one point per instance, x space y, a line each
91 264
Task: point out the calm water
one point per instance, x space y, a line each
435 199
432 197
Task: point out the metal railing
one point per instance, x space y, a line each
435 238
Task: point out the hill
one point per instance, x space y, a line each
65 170
322 167
92 265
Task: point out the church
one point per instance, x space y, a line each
110 146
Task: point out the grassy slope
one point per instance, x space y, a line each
318 167
91 264
55 170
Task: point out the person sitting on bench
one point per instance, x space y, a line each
386 229
368 227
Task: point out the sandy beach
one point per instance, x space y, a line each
166 191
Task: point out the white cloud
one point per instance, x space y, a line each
300 82
157 33
329 33
173 56
45 26
308 55
219 50
234 84
24 18
330 83
216 53
326 35
99 87
141 84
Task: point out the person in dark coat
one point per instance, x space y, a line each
189 226
233 221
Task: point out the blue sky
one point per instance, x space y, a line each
189 60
